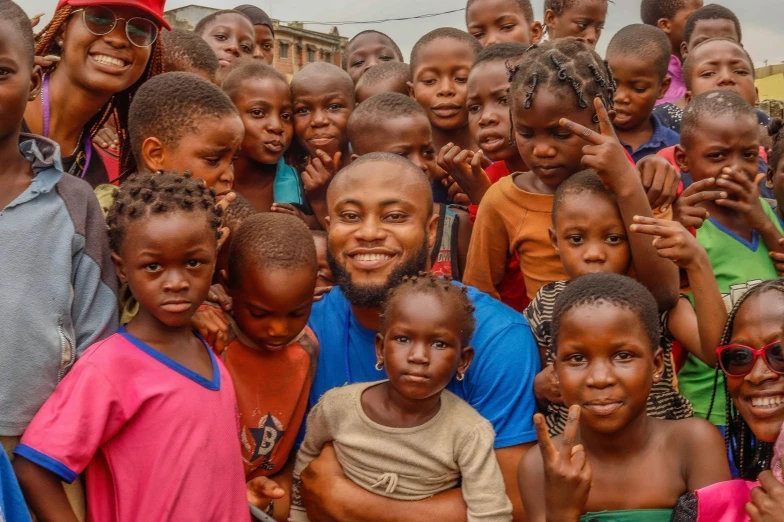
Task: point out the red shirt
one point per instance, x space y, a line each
512 287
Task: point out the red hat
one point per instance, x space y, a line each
153 8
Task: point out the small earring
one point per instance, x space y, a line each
379 366
460 376
769 184
60 43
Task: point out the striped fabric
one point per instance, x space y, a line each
664 402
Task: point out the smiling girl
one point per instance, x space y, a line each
106 52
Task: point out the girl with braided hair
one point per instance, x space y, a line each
559 99
751 365
106 52
409 438
150 413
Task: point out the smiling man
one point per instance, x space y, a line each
380 229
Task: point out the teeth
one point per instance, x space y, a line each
767 402
108 60
372 257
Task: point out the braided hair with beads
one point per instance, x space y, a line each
119 104
455 296
568 65
751 455
155 194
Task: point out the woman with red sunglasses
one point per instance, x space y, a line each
107 49
751 362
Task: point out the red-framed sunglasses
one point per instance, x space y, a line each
737 360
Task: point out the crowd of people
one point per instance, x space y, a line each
510 279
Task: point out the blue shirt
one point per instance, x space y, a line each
661 139
499 384
12 504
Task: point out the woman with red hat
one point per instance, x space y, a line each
107 49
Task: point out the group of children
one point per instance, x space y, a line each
161 361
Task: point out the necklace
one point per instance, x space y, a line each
82 156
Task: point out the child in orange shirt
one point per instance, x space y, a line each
556 81
271 354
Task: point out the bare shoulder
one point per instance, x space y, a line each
691 431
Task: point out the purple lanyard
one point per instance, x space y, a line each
88 144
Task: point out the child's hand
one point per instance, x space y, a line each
546 386
286 208
767 500
778 259
217 294
107 139
685 209
604 153
319 173
671 240
262 491
567 473
454 192
320 292
466 168
744 197
212 326
660 181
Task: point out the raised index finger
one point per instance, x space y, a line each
584 132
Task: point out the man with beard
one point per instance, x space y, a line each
380 229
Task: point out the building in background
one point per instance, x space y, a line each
770 82
295 46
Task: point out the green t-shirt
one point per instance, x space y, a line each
629 515
738 265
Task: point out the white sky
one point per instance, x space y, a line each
763 31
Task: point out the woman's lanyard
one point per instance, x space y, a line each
88 144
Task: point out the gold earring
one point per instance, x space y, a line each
460 376
379 366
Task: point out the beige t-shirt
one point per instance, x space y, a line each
408 463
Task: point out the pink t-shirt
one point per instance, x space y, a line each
157 440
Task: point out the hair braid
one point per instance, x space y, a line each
566 63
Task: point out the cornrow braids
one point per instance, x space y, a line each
751 455
448 293
119 104
776 131
159 193
566 64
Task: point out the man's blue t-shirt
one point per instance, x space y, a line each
499 384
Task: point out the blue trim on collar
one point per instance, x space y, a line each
214 384
661 138
755 239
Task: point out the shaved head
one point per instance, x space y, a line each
379 166
322 76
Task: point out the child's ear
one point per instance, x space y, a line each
684 50
35 83
550 18
665 86
119 268
680 158
665 25
466 358
153 155
223 278
379 342
353 158
769 177
554 240
326 225
537 31
658 365
410 86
